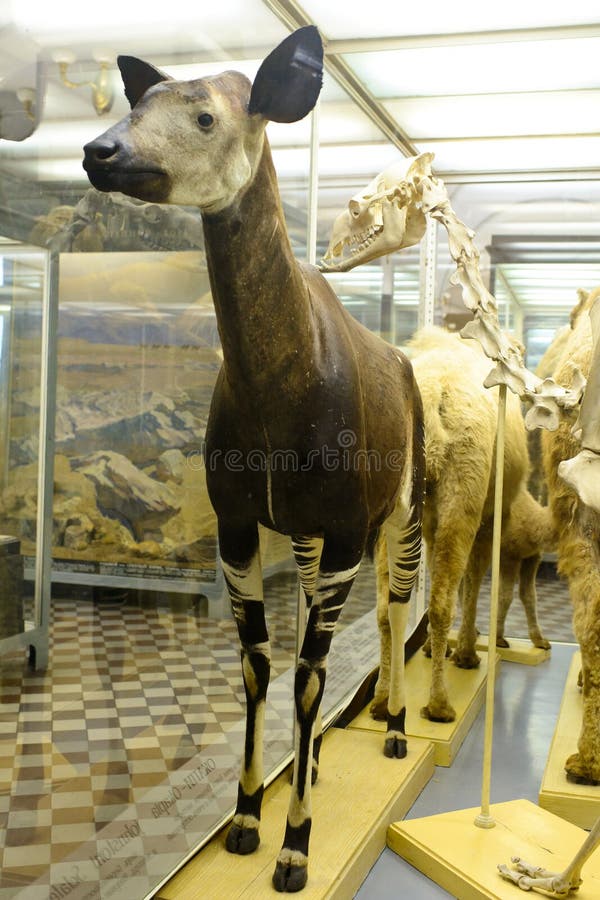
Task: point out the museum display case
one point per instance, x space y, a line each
27 332
109 355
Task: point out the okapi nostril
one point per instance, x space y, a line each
100 150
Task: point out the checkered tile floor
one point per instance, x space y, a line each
116 761
554 608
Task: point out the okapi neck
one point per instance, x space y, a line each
260 296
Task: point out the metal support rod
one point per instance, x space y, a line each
313 187
427 276
484 820
43 552
425 317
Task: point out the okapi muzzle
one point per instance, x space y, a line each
110 166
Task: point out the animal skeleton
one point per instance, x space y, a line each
582 473
396 203
553 884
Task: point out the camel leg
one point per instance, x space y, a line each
339 564
240 556
527 593
307 553
579 555
583 767
465 655
509 572
449 551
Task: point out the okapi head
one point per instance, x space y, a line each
200 142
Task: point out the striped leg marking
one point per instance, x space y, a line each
245 590
332 588
404 553
307 553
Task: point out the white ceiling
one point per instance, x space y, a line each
506 96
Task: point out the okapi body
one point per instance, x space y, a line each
301 381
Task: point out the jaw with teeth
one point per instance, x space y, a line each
384 217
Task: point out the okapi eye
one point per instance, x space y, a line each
205 120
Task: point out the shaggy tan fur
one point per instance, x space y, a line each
578 530
460 435
528 533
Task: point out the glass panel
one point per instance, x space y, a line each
22 301
138 356
137 729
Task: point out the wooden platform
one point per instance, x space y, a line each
520 651
358 794
463 858
578 803
466 688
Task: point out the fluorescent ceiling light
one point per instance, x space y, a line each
481 68
65 17
380 18
514 155
558 112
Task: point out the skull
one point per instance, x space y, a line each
385 217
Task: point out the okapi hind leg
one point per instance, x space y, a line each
307 553
240 556
339 564
404 553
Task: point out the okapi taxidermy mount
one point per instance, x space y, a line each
300 377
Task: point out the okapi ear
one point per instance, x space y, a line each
138 76
289 80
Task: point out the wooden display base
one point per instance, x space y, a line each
466 688
463 858
520 651
358 794
578 803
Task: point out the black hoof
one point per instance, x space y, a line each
289 879
242 840
395 748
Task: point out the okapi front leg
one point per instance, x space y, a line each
336 574
307 553
243 575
